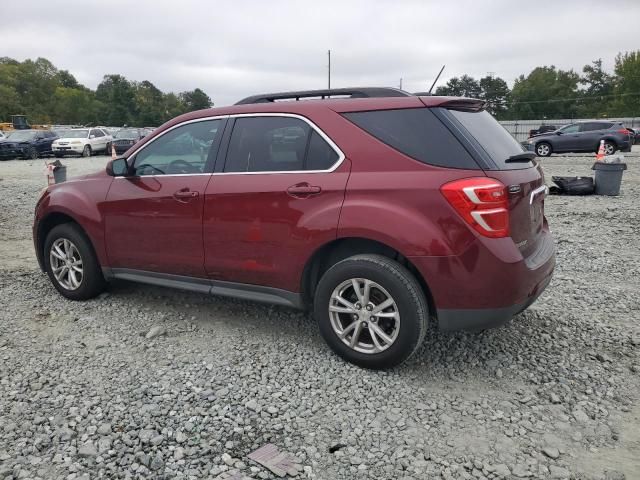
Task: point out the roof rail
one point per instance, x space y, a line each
365 92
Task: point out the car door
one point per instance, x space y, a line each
568 139
153 217
275 199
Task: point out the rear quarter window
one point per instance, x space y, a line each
491 137
417 133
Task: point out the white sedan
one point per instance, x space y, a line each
82 141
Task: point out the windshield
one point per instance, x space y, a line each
76 134
127 134
61 133
21 136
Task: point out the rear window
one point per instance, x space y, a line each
492 137
416 132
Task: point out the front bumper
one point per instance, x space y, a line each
67 148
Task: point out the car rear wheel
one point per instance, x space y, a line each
543 149
371 311
86 151
31 153
107 150
71 263
609 147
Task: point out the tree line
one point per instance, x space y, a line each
45 94
549 92
36 88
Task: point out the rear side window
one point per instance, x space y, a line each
416 132
277 144
492 137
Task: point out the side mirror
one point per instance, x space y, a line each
558 133
118 167
91 137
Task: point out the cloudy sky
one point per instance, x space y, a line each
232 49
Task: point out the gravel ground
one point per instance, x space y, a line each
85 394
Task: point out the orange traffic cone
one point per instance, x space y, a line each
113 152
600 155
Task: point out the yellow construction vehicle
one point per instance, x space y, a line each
19 122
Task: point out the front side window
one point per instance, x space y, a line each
575 128
183 150
277 144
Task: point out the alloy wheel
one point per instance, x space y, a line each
609 149
66 263
364 315
543 150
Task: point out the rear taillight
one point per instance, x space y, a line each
482 202
624 131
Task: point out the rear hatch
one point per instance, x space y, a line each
503 158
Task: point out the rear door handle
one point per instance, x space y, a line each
184 195
303 190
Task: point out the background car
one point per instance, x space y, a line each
582 137
26 144
542 129
82 141
1 135
125 138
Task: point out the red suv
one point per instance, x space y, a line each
378 209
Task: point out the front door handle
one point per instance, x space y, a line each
185 195
302 190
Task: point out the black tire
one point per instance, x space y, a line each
86 151
31 154
609 147
402 287
107 150
92 281
544 149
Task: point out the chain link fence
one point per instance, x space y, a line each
520 128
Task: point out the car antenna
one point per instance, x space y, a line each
434 82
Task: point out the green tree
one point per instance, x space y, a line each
545 92
118 97
626 90
195 100
495 91
150 104
465 86
598 87
75 106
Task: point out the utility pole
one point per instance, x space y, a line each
329 70
400 83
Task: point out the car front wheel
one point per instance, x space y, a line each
71 263
86 151
543 149
371 311
31 153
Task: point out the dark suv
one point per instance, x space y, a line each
582 137
379 211
29 144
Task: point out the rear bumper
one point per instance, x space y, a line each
488 284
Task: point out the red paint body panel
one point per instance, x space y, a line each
256 233
146 228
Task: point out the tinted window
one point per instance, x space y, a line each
277 144
416 132
492 137
320 155
182 150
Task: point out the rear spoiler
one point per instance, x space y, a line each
464 104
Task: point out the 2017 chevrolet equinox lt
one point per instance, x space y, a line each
376 208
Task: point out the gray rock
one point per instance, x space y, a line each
87 450
156 331
551 452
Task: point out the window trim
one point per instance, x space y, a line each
224 143
313 126
224 118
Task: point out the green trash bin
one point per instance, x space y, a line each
608 177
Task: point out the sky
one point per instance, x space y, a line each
233 49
